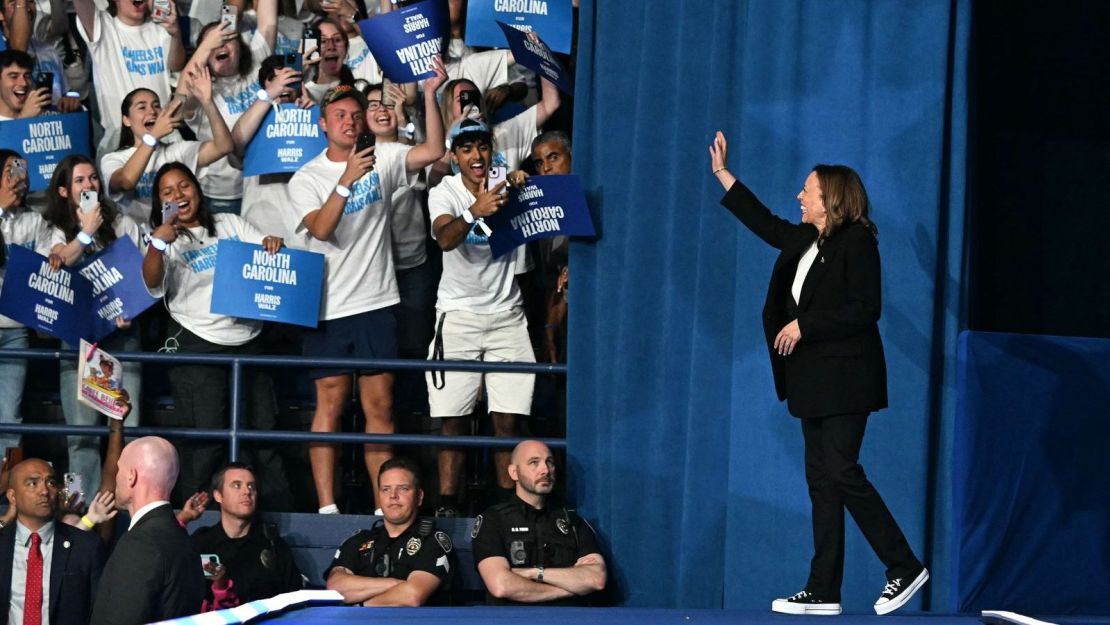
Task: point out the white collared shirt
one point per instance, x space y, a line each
142 511
19 569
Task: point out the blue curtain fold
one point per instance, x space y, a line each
680 455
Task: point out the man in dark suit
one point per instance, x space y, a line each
69 560
154 573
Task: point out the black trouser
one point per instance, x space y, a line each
837 481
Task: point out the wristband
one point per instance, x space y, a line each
84 238
263 95
468 216
158 244
539 577
407 131
342 191
150 140
87 522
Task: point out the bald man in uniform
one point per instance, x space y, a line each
154 573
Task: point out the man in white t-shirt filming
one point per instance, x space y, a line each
18 96
343 198
480 314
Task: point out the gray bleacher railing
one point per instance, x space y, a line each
235 433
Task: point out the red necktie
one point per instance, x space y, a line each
32 598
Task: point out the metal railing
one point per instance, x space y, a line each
235 433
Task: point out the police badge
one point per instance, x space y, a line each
561 525
412 546
266 558
477 527
444 541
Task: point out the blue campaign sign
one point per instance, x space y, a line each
552 18
45 140
118 288
254 284
547 206
287 139
55 302
531 52
405 41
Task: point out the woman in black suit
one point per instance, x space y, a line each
821 323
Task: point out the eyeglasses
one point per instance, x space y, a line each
375 105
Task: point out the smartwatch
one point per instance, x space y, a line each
468 216
342 191
158 244
263 95
150 140
84 238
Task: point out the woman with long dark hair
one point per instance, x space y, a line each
74 235
821 320
180 265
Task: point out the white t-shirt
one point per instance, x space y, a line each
23 228
268 207
361 62
358 270
473 280
233 95
137 201
190 267
125 58
407 224
123 226
485 69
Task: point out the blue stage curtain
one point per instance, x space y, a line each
679 452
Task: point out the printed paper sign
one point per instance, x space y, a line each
44 141
405 41
118 288
287 139
100 380
547 206
531 52
553 18
253 284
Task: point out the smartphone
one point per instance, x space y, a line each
229 18
89 200
74 484
18 169
293 60
497 175
169 211
209 558
365 140
470 97
161 11
45 80
310 40
387 97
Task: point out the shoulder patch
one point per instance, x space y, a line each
477 527
444 541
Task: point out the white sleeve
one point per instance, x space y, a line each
49 238
260 51
128 227
441 202
393 174
100 21
185 152
111 162
304 196
245 230
485 69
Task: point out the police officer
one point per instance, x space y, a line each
252 562
529 552
400 562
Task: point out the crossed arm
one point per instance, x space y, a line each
383 591
586 576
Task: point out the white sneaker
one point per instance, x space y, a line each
805 602
898 591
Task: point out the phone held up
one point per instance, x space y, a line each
88 201
365 140
229 18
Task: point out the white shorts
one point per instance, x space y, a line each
497 337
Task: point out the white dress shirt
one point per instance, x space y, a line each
147 508
19 570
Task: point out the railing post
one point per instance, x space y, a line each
233 434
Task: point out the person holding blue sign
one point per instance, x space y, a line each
145 124
481 315
344 197
82 223
180 265
23 227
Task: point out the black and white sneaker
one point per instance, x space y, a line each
805 602
898 591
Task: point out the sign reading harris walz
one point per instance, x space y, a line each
553 18
252 283
289 137
44 141
547 206
79 303
405 41
531 52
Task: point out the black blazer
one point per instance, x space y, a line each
154 574
74 573
838 367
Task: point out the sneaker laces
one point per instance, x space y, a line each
801 595
892 587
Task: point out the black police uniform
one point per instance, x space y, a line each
554 537
373 553
260 564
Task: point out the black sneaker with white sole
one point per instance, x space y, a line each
900 590
805 602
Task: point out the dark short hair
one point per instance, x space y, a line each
557 136
18 58
218 477
126 133
204 212
401 462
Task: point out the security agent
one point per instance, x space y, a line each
254 562
401 561
529 552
